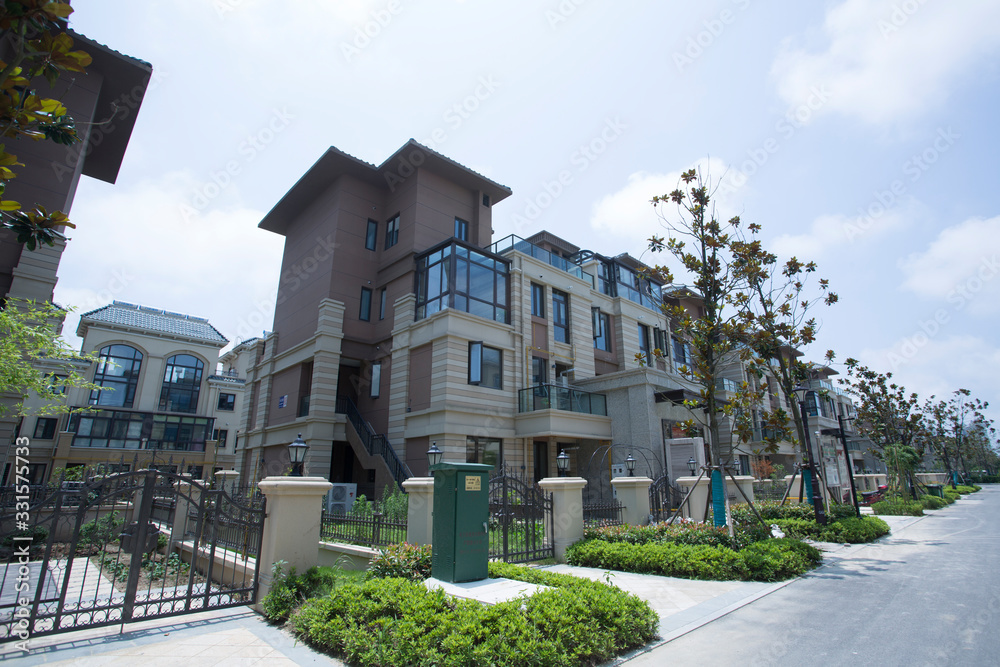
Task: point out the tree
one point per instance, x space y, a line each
37 45
34 360
956 430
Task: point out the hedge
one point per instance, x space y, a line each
898 507
851 530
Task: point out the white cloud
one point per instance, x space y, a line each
887 59
828 233
960 265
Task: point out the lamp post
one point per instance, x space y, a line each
692 465
562 463
434 455
297 454
630 465
817 499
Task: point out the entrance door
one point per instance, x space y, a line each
541 459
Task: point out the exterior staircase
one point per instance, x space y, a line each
376 444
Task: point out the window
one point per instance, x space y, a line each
454 276
537 300
602 330
227 402
376 379
220 435
539 371
181 384
681 353
461 229
485 366
365 312
484 450
118 372
660 341
371 235
392 231
45 428
381 304
140 430
644 345
560 315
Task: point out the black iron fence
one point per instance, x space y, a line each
369 531
520 523
664 499
607 513
768 489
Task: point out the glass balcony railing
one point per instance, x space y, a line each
514 242
557 397
725 384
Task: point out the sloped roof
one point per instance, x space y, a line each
153 320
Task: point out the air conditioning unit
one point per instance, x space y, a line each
340 498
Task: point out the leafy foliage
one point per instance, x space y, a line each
405 560
932 502
898 507
101 530
289 590
399 622
851 530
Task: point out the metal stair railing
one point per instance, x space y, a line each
375 444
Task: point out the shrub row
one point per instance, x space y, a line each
405 560
898 507
851 530
773 509
289 590
767 560
932 502
680 532
399 622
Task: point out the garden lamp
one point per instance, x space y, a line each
630 465
562 463
434 455
297 454
692 465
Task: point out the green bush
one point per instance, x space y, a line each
986 479
399 622
932 502
102 530
756 562
851 530
408 561
965 490
681 532
288 589
898 507
773 509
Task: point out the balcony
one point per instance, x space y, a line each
514 242
557 397
725 384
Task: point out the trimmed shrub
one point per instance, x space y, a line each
773 509
851 530
898 507
288 589
965 490
779 559
405 560
680 532
986 479
932 502
399 622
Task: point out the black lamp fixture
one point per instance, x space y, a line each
434 455
692 465
297 454
562 463
801 393
630 465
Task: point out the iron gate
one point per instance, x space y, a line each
664 498
520 525
98 554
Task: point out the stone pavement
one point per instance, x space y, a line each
239 636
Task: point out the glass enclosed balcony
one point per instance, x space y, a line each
557 397
514 242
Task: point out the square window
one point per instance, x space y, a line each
227 402
45 428
485 366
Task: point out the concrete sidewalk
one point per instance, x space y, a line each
239 636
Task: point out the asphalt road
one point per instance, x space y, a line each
929 594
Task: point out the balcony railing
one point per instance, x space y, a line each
556 397
514 242
725 384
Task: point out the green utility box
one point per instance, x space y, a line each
936 490
460 548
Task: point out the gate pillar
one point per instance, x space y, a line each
633 493
187 494
567 512
419 514
292 525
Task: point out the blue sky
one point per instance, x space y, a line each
858 133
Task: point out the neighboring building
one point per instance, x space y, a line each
104 103
165 404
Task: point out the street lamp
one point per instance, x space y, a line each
692 465
817 500
562 463
297 454
434 455
630 465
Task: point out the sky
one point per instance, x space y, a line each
860 134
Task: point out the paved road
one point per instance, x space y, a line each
929 594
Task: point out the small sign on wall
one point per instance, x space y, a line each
282 401
473 483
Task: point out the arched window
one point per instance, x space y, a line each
181 384
118 372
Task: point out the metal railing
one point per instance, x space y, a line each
557 397
514 242
375 444
370 531
725 384
607 513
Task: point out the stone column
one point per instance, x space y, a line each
695 506
745 482
292 526
227 479
187 495
419 513
633 493
567 511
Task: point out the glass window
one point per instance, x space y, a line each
464 279
392 231
682 352
45 428
118 373
181 384
461 229
537 300
365 312
539 371
485 366
376 379
381 304
220 435
484 450
371 235
602 330
560 316
227 402
644 345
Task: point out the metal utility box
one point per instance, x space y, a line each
460 548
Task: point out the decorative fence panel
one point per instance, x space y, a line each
520 523
368 531
664 498
608 513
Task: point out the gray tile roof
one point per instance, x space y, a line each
158 321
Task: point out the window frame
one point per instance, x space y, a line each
47 426
365 305
129 378
376 383
230 405
392 231
171 388
371 235
461 229
478 365
381 304
602 329
537 300
561 316
645 343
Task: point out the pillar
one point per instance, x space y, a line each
696 503
187 495
227 479
633 493
419 513
567 512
